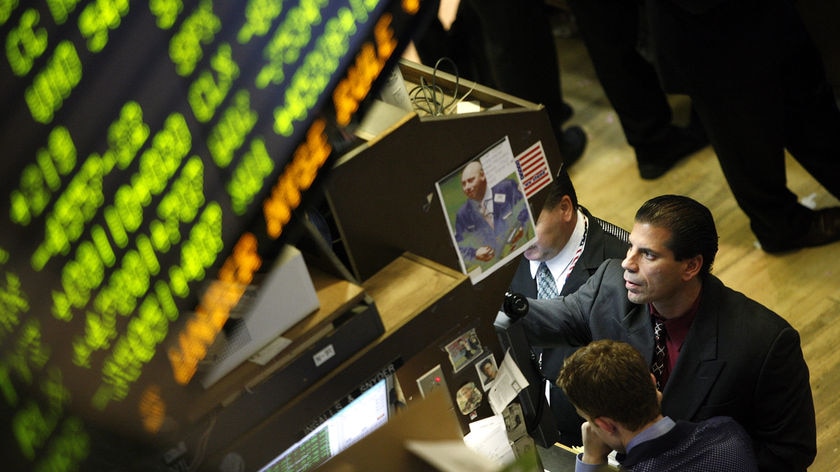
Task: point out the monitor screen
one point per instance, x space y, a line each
350 424
153 156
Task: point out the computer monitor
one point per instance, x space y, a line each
360 417
282 297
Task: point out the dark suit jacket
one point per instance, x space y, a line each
600 246
739 359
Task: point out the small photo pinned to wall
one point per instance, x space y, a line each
487 370
468 398
464 349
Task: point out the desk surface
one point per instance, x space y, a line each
556 459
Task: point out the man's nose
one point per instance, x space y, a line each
629 261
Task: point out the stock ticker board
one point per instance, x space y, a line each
152 155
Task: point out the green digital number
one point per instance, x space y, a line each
198 29
259 15
25 43
53 84
229 133
166 12
249 176
61 9
98 18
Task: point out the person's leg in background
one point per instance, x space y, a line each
812 120
521 56
781 101
745 67
612 31
507 46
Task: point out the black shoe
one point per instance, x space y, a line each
572 142
655 161
824 229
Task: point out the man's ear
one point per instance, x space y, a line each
692 267
566 206
605 424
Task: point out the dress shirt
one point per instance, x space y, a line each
654 431
487 200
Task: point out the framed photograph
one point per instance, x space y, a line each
431 380
487 212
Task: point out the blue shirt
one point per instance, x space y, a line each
654 431
718 444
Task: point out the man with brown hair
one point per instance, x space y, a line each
612 389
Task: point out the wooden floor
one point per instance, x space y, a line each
803 287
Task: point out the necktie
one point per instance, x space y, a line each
487 211
546 286
660 353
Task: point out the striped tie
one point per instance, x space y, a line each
546 286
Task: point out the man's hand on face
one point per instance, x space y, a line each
595 450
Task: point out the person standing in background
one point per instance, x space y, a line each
758 85
507 46
615 36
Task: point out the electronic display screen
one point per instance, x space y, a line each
153 155
350 424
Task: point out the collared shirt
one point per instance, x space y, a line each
654 431
677 329
486 201
561 264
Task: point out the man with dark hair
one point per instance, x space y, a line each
714 351
570 245
489 370
612 389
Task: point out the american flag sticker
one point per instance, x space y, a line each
532 167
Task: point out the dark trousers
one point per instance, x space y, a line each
758 92
503 44
614 35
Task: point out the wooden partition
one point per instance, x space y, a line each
403 265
